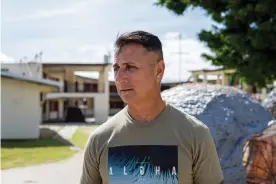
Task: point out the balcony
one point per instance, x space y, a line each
64 95
76 90
82 88
113 91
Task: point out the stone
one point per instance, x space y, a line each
270 102
231 116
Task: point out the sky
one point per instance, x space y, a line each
84 30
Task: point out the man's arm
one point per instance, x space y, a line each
206 164
90 170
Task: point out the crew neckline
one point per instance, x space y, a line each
151 123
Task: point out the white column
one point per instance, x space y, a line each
205 78
101 108
70 78
101 82
47 109
101 101
195 78
81 86
225 80
218 79
106 81
61 79
60 109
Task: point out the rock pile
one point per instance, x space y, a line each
270 102
231 116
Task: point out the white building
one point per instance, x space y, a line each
20 100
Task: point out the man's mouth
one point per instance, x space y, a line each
123 90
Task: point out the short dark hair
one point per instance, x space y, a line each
148 40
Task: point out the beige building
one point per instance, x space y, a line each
20 100
115 102
216 76
227 77
91 96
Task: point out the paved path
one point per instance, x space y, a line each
68 131
64 130
66 171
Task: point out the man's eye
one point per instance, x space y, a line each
115 68
131 67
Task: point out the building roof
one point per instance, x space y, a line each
213 70
55 64
36 80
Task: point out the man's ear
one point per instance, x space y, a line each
160 68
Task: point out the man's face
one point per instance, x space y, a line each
135 71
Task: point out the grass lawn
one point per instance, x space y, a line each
16 153
81 135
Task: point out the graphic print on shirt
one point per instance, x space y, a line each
143 164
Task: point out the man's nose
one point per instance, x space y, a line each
121 76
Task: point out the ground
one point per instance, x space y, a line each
67 170
32 152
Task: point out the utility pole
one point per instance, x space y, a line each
180 56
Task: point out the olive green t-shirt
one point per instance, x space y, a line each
173 148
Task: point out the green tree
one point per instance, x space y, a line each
244 37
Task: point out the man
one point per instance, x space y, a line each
149 141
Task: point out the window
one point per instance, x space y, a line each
4 70
53 106
88 87
113 89
94 87
76 86
44 107
41 96
116 105
65 88
44 75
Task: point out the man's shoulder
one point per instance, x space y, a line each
185 121
190 129
110 126
183 118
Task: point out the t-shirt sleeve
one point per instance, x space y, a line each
206 165
90 169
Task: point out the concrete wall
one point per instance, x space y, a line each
20 109
101 108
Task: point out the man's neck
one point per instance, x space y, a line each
147 111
